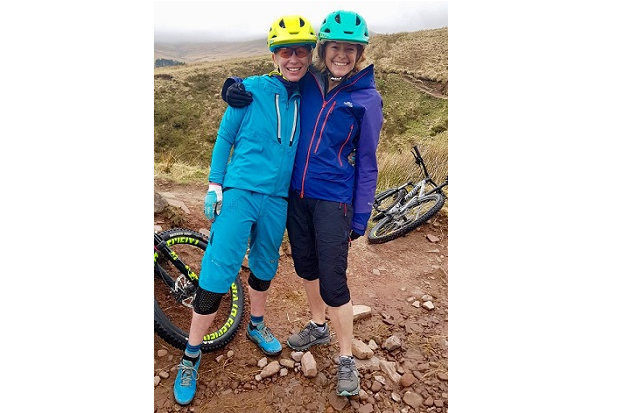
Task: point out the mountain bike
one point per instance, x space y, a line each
178 258
401 209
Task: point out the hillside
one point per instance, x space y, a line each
423 53
411 73
192 52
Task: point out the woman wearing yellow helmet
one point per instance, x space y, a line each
291 36
262 137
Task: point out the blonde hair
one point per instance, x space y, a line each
319 62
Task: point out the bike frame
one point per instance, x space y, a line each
183 287
409 205
418 189
162 247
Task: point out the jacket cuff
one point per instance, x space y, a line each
358 224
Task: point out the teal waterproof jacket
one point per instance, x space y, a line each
264 138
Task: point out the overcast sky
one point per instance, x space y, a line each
249 20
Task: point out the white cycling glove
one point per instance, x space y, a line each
213 201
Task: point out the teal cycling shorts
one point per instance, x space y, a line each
247 220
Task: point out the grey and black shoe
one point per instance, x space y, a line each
308 337
348 377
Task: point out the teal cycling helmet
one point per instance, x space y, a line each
344 26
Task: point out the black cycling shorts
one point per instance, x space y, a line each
319 234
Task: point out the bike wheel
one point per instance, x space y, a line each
174 294
396 225
385 200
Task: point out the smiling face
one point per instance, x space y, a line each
293 62
340 57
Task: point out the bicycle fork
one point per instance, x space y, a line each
184 287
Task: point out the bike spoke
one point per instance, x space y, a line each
414 213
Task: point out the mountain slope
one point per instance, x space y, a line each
199 52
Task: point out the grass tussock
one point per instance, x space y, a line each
397 168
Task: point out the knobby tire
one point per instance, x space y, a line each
173 319
392 226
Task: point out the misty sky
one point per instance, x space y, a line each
249 20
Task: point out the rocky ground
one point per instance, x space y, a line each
401 288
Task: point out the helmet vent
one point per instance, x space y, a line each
293 29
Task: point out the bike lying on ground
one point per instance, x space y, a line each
178 258
401 209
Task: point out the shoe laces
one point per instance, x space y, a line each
346 369
187 374
265 333
307 331
304 333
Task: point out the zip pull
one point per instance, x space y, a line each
290 142
278 117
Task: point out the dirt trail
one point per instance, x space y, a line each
391 278
435 89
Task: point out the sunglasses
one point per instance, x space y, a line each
287 52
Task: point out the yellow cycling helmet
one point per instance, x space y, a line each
291 30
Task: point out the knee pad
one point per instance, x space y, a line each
206 302
257 283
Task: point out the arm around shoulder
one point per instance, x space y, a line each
234 93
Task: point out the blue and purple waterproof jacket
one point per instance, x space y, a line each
344 124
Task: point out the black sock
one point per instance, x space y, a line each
194 360
191 353
321 327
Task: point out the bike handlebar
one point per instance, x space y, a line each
419 160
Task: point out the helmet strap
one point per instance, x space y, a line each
334 78
339 78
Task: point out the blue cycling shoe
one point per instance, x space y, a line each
265 340
185 383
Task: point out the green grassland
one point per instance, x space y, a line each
188 107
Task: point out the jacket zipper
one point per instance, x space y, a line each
318 142
344 143
295 114
316 124
277 104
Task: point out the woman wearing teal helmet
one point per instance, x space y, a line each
244 204
334 180
343 34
